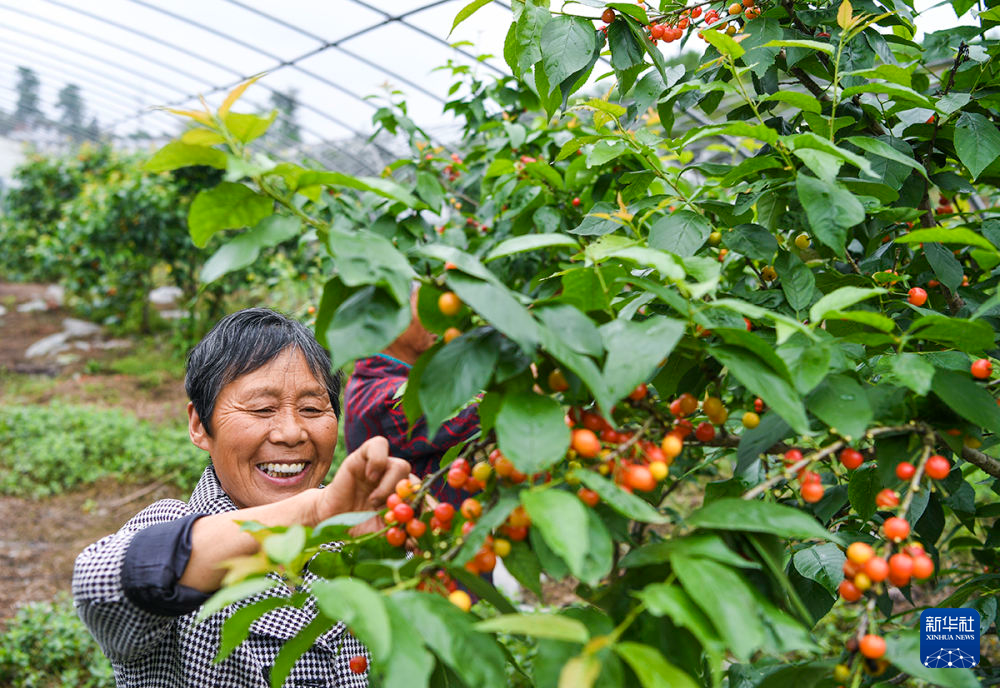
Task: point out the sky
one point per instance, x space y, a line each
129 55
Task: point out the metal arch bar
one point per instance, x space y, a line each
424 32
92 87
281 62
12 102
195 77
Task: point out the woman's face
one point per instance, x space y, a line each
274 432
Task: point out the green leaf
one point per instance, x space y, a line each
628 505
803 101
234 593
797 281
760 517
365 323
946 267
358 606
561 519
635 349
662 599
243 250
967 399
831 210
236 628
282 548
822 563
977 142
839 300
498 306
580 364
903 650
364 257
431 191
448 631
735 613
537 625
808 45
567 44
840 402
761 380
707 545
652 669
967 335
409 664
467 12
175 155
457 372
580 672
246 127
913 371
682 232
883 149
531 431
295 647
578 332
822 164
724 44
862 490
665 263
600 550
625 50
386 188
813 141
226 206
943 235
896 91
753 241
529 242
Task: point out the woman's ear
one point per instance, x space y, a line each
196 429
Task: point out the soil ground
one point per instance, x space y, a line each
41 538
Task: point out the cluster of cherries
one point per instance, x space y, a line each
668 32
863 568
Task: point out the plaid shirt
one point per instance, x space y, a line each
371 409
155 651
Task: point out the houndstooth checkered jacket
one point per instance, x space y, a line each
147 650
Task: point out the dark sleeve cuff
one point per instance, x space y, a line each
154 562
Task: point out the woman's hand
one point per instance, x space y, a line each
363 482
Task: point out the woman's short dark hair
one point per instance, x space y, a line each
241 343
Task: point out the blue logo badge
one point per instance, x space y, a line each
949 638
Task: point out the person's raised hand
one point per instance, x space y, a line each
364 480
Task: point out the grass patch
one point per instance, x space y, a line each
45 645
23 389
45 450
152 363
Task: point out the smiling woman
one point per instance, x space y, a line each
264 405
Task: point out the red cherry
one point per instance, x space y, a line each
758 404
851 458
358 664
849 591
917 296
576 202
444 511
608 16
887 498
416 527
792 456
982 368
896 529
812 492
705 432
395 536
905 470
937 467
403 512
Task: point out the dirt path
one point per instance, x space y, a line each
41 538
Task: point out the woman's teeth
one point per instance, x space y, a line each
281 470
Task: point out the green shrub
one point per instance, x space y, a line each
45 645
48 449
